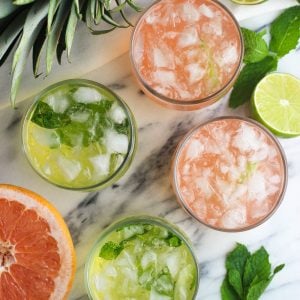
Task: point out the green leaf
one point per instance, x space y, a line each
285 31
37 50
256 290
9 35
22 2
256 49
6 8
227 291
236 259
53 5
257 265
71 27
133 5
173 240
278 268
249 78
55 32
33 24
110 251
235 280
45 117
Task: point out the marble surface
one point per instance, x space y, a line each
146 187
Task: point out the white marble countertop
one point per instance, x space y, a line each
146 187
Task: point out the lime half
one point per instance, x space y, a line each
276 104
248 2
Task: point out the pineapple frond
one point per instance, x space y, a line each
34 25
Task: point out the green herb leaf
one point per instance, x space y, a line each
256 290
45 117
110 250
257 265
285 31
280 267
227 291
174 241
249 78
236 259
235 280
256 49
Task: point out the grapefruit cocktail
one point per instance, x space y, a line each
230 173
79 135
142 258
186 54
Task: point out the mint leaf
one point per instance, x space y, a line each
236 259
45 117
249 78
256 290
257 265
110 250
256 49
280 267
227 291
173 240
285 31
235 280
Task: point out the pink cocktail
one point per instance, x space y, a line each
186 54
230 173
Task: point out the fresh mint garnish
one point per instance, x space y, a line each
110 250
261 58
256 49
249 78
173 240
248 275
285 31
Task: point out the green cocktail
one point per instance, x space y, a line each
79 135
142 258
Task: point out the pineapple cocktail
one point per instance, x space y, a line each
230 173
142 258
186 54
79 135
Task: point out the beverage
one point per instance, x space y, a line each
230 173
142 258
186 55
79 135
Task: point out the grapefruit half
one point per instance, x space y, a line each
37 257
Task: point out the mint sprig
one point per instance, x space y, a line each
261 58
248 275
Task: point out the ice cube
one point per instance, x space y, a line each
188 37
257 189
206 11
235 218
69 167
46 137
195 148
189 12
163 58
154 295
230 55
275 179
101 164
87 95
117 114
196 72
80 117
165 78
148 259
139 49
110 271
172 262
115 142
101 282
58 102
214 28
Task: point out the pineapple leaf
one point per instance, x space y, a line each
37 50
54 34
22 2
133 5
120 7
6 8
33 24
108 19
71 27
53 5
104 31
10 34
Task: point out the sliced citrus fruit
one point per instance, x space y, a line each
276 104
246 2
37 257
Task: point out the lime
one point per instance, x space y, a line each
247 2
276 104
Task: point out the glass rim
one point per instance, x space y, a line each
132 141
188 102
133 219
183 204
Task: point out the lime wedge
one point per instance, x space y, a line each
247 2
276 104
